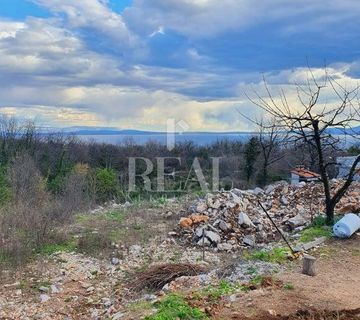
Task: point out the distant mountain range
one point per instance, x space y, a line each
84 131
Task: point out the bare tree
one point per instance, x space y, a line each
314 121
271 139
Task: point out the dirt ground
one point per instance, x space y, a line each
335 287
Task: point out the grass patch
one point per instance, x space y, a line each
312 233
50 248
276 255
117 216
223 288
175 307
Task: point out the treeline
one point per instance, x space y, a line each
46 179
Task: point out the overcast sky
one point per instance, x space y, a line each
133 64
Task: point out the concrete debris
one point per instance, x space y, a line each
233 219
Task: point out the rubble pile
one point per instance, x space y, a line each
234 219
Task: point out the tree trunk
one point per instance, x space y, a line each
309 265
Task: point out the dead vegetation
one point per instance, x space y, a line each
157 276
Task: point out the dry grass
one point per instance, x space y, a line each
157 276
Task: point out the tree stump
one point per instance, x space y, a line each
309 265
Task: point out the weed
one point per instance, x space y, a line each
251 270
288 286
175 307
117 216
139 306
276 255
223 288
92 243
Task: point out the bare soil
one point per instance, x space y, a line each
335 287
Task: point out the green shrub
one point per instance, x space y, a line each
106 184
175 307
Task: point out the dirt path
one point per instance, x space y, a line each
335 287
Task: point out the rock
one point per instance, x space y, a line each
198 218
44 298
212 236
284 201
185 222
199 231
224 246
115 261
237 192
257 191
296 221
244 220
223 225
135 250
249 240
203 241
117 316
201 207
232 298
90 289
150 297
270 188
54 289
106 302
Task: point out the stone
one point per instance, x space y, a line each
212 236
270 188
237 192
223 225
249 240
224 246
244 220
150 297
198 218
115 261
106 302
135 250
54 289
199 231
117 316
203 241
296 221
201 207
90 289
284 201
185 222
44 298
257 191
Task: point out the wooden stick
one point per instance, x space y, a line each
276 227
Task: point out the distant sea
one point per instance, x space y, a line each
141 139
201 138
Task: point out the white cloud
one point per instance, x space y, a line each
209 18
93 14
